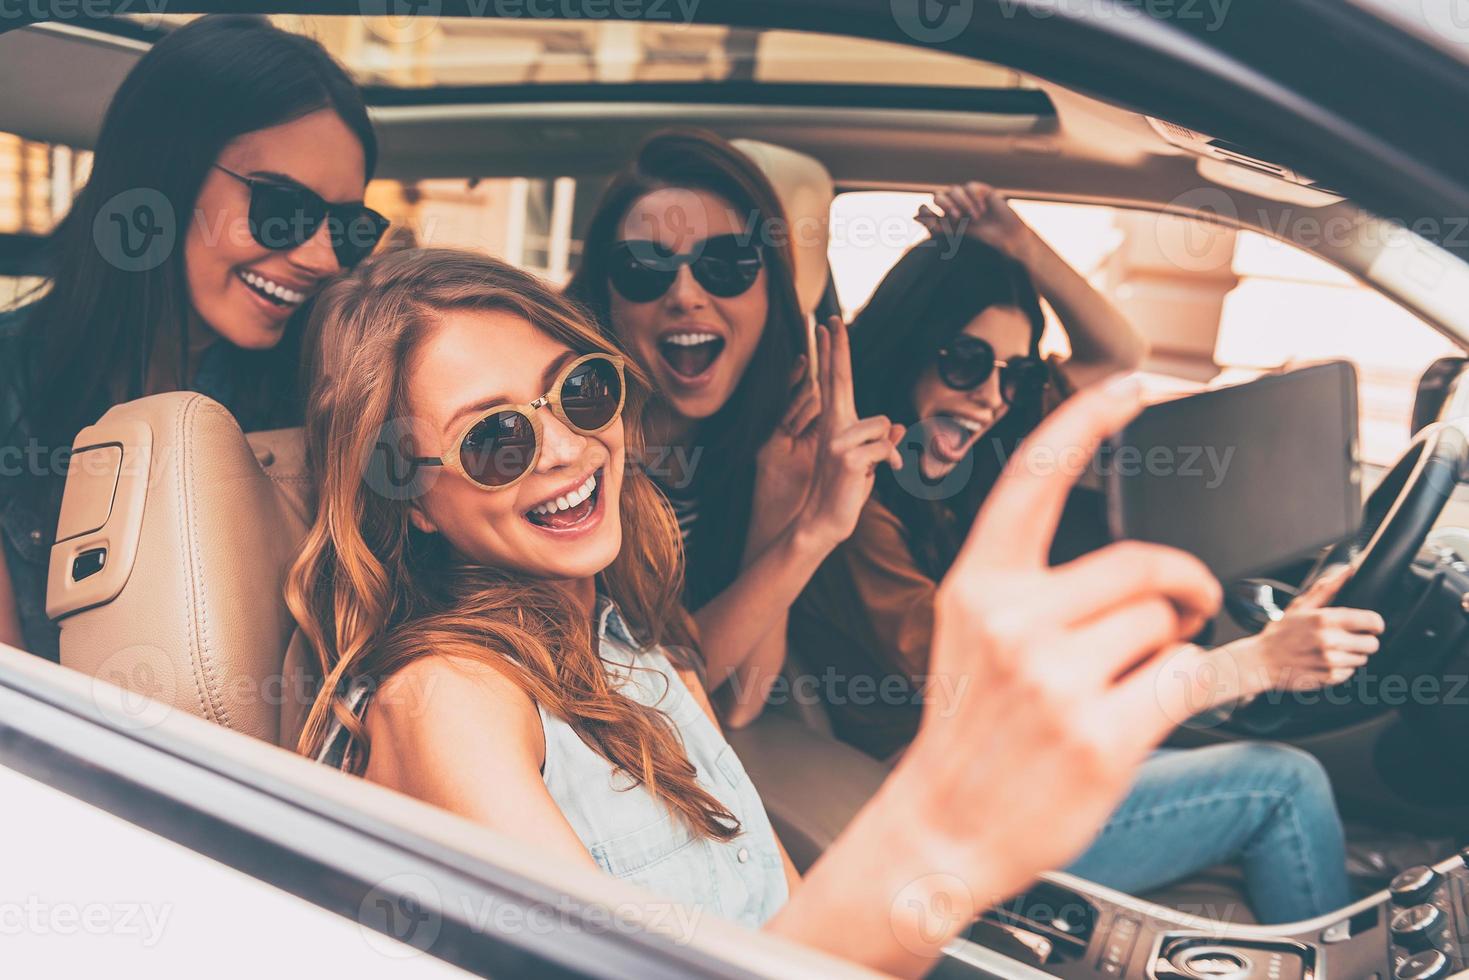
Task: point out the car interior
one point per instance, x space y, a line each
176 535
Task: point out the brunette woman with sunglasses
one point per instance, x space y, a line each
950 345
688 264
226 188
506 641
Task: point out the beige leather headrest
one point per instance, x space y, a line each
175 537
806 191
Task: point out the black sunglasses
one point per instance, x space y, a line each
724 265
285 216
967 362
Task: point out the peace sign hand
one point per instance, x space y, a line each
848 449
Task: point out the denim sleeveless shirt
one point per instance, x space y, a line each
628 831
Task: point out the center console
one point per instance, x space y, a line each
1418 929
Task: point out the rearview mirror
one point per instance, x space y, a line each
1434 389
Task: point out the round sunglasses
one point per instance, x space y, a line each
285 216
500 447
725 265
967 362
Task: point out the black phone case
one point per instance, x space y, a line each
1290 485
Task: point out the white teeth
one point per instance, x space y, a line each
968 425
690 339
569 501
272 288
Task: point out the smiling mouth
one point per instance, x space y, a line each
569 510
689 355
950 436
270 290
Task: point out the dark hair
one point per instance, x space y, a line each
89 341
724 483
924 301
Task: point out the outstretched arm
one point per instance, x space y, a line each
1048 687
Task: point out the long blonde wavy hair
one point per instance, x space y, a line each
371 593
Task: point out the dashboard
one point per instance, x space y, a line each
1416 929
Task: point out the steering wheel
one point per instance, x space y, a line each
1400 512
1397 518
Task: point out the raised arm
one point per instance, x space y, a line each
1103 342
1048 687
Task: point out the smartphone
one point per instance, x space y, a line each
1247 478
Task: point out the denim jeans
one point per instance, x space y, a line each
1265 806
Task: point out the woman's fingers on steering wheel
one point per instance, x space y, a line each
1345 660
1355 621
1320 592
